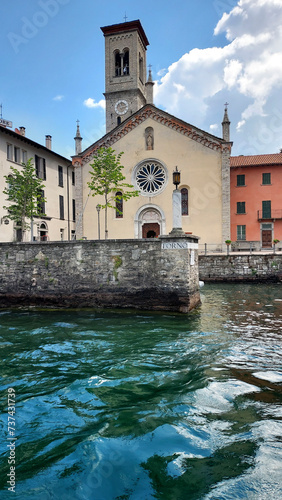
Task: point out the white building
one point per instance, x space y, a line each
58 178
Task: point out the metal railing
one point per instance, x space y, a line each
237 247
269 215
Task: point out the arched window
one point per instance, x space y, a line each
184 201
141 68
119 205
118 120
126 62
117 64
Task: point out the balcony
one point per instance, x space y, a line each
269 215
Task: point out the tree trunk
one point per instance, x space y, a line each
106 217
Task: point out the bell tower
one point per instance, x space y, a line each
125 71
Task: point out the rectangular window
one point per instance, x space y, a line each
266 209
17 155
73 177
266 179
9 152
61 205
60 176
40 167
62 234
41 202
73 210
241 233
73 237
24 156
241 207
241 180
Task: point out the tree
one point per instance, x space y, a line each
25 193
106 181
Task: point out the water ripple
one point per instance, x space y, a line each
117 406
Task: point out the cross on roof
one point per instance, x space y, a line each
226 104
125 18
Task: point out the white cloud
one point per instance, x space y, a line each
58 98
247 71
214 127
90 103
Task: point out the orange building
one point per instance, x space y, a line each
256 199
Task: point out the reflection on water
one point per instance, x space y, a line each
114 405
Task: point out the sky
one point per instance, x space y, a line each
203 53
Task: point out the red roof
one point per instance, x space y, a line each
255 160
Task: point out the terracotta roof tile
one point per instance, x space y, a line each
255 160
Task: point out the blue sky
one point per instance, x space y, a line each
203 53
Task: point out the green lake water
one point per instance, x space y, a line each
116 405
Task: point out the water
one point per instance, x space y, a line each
114 405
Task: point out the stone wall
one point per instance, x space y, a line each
153 274
262 267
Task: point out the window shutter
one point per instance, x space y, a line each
44 169
61 203
266 209
36 165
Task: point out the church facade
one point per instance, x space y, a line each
154 143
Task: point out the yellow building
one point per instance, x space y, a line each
57 175
154 143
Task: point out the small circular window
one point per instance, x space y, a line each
150 177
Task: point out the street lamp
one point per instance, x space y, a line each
98 208
176 206
176 177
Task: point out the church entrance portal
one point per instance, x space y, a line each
150 223
151 230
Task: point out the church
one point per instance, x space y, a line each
154 144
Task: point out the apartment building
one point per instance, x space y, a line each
256 200
57 174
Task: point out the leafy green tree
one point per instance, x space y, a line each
107 180
24 192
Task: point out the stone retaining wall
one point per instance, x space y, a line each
252 267
154 274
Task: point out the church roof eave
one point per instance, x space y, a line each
151 111
125 27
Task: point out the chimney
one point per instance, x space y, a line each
22 131
48 141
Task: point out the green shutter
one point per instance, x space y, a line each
266 209
266 178
241 180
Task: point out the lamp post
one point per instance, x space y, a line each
98 208
176 206
176 177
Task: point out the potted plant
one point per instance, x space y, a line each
228 243
275 241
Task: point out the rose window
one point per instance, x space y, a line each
150 177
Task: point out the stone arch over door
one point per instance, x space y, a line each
43 231
149 222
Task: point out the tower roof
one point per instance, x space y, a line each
225 117
125 27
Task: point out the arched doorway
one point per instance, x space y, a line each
43 232
151 230
150 221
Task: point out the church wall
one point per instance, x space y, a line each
200 169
